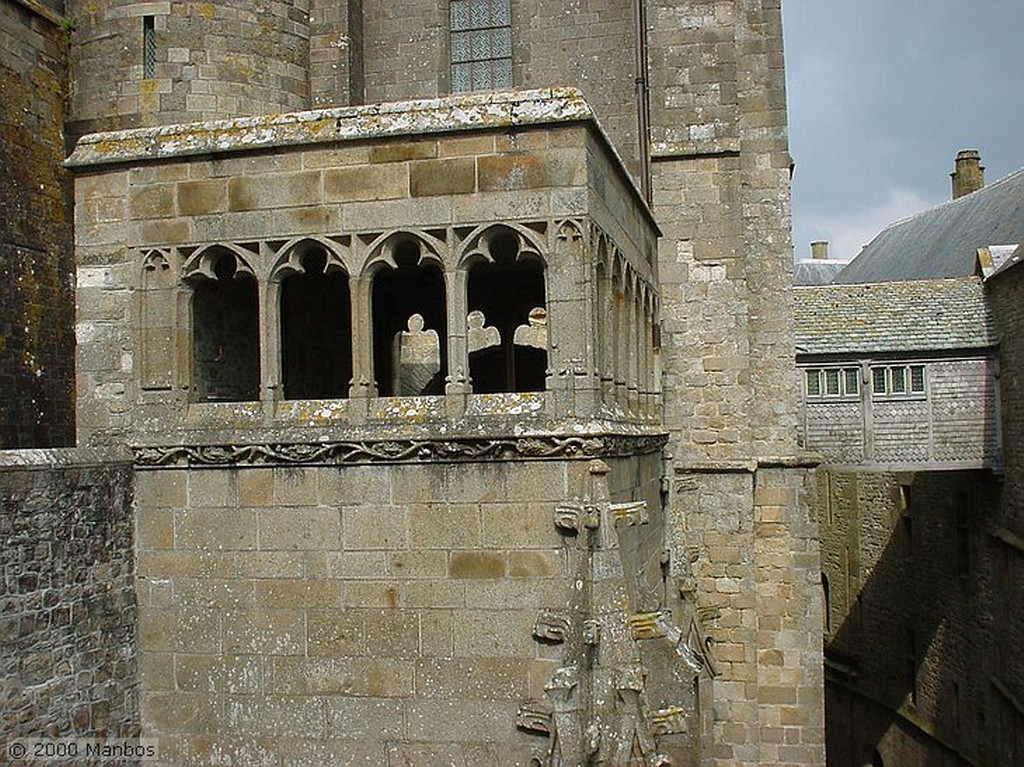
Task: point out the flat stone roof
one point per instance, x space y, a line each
462 112
904 316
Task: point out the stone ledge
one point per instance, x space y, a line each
41 10
49 458
503 109
750 465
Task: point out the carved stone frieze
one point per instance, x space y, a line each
397 451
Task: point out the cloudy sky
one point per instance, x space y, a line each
882 95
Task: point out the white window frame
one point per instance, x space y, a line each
833 382
899 381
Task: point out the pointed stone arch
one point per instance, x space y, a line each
405 287
506 283
311 300
225 325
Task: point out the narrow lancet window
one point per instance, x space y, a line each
481 44
409 323
316 330
148 48
225 332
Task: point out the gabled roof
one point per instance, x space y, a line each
890 317
943 241
996 259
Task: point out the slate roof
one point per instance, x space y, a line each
943 241
888 317
816 271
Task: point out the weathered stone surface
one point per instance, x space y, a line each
309 554
70 651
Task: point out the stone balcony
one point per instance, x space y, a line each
467 266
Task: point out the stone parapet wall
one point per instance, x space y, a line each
36 260
68 628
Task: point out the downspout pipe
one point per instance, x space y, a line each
643 97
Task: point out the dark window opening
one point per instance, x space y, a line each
410 354
511 354
963 537
316 331
148 48
826 603
225 334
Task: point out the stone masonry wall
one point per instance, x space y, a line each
67 628
912 624
222 59
335 53
1007 295
36 261
741 501
752 546
358 614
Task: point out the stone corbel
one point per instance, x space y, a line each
669 721
576 516
647 625
629 514
536 716
552 626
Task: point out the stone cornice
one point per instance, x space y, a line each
459 449
500 109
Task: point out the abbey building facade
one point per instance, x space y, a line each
446 353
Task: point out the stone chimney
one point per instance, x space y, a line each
968 175
819 250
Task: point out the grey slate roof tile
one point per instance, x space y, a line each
890 317
816 271
943 241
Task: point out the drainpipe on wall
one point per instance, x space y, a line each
643 100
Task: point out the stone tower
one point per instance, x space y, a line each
453 344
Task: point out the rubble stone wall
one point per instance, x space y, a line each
68 627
